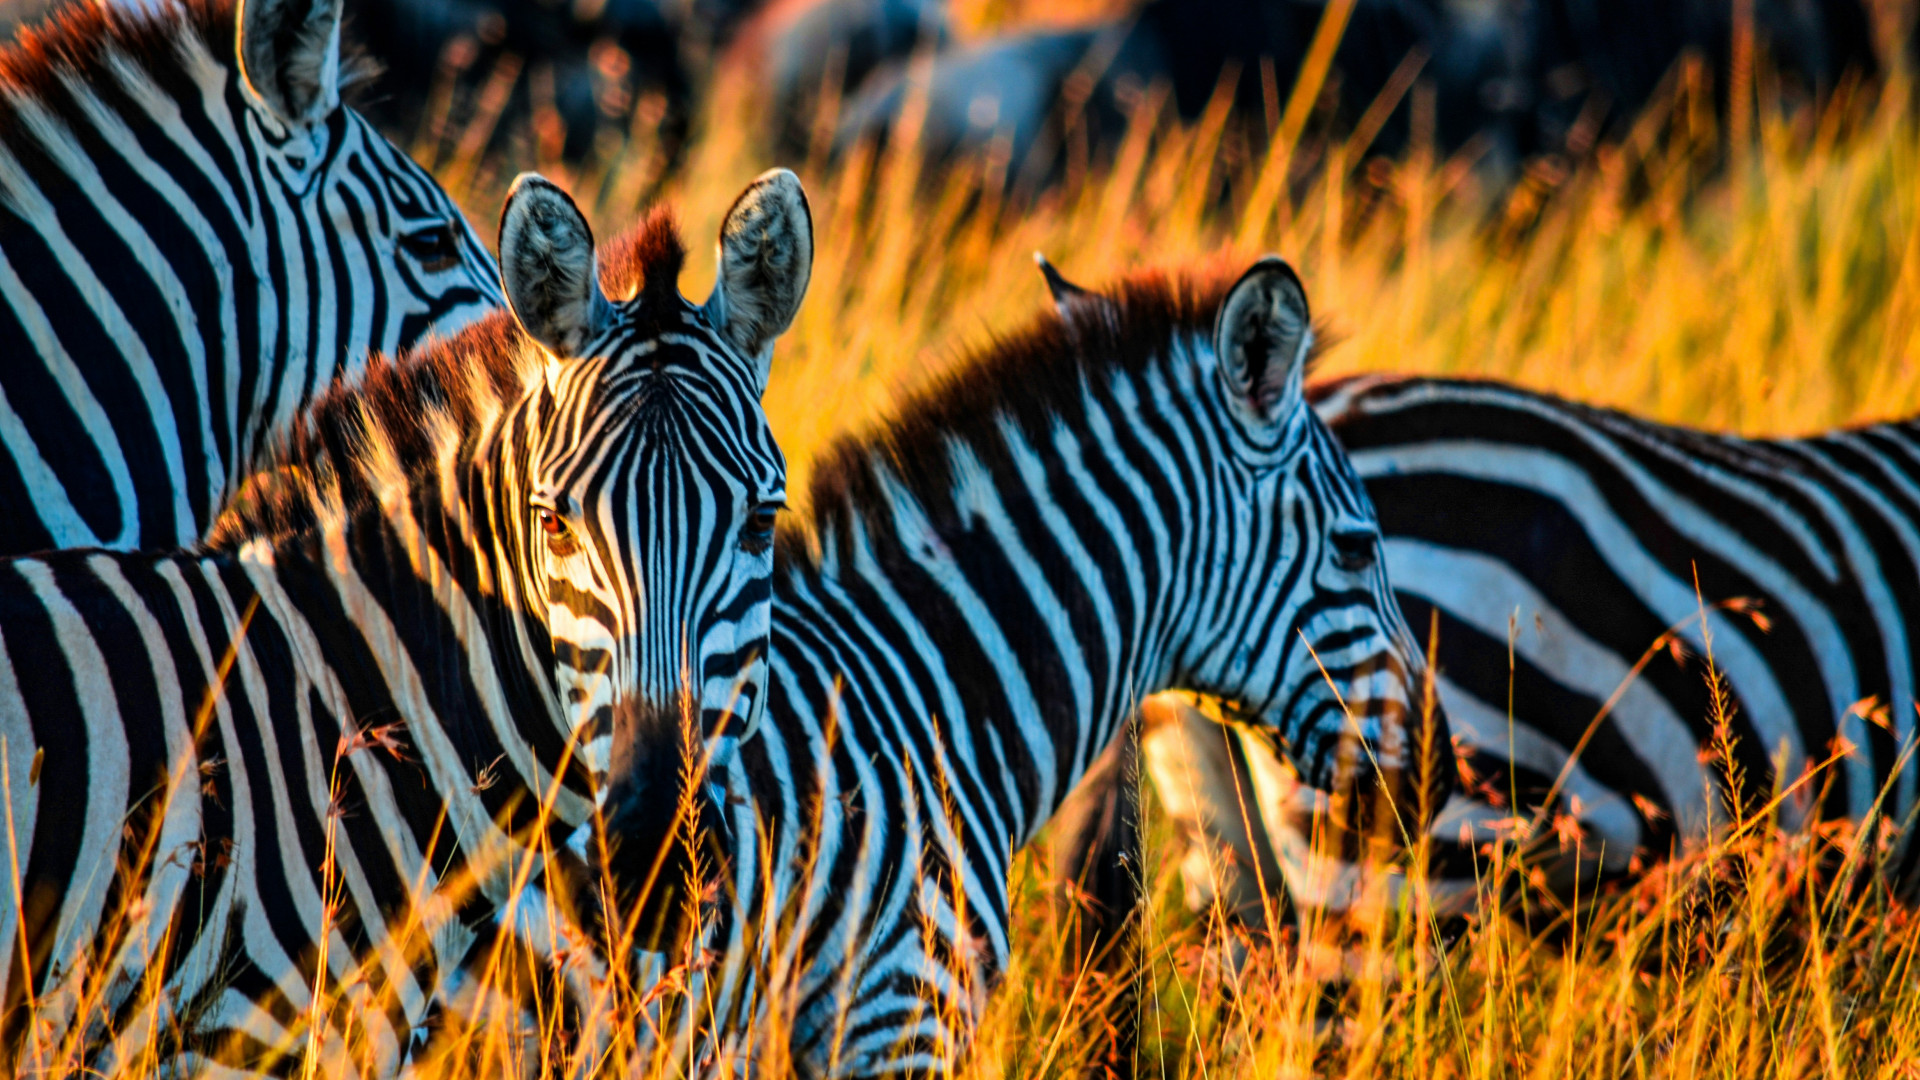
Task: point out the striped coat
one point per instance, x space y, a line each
1564 551
1131 497
258 791
196 238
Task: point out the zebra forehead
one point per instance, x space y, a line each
664 395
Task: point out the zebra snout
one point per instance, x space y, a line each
654 745
1393 711
663 840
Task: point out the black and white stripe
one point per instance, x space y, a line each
410 658
1569 538
196 238
1130 497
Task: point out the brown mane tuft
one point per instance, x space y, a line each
1033 376
326 458
645 261
79 38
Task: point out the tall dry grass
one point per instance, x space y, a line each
1771 289
1770 286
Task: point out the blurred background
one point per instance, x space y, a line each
1043 91
1673 206
1669 205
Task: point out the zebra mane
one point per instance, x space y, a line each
1033 377
395 428
84 39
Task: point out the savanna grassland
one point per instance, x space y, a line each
1754 269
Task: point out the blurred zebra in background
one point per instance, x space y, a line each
1501 84
256 791
1560 547
1131 497
196 238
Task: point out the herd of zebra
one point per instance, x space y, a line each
367 601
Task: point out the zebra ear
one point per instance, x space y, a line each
290 58
547 267
1064 292
1263 336
766 259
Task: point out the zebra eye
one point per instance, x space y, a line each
436 247
757 536
560 539
1356 550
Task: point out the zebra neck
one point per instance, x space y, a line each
297 356
1037 594
133 202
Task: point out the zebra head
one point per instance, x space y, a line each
1299 628
651 480
369 252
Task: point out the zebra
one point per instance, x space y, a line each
470 609
1129 495
1558 548
196 238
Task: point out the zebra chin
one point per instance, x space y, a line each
1368 735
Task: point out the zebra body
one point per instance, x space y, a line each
1594 527
1131 497
1570 539
196 238
259 791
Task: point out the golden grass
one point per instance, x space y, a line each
1776 290
1774 293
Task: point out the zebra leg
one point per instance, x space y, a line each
1207 788
1095 853
496 1004
1200 770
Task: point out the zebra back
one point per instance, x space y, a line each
196 237
1587 538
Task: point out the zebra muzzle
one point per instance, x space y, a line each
662 838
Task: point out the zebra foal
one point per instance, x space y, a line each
1128 497
196 238
255 792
